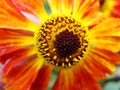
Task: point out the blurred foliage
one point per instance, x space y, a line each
112 85
47 7
113 81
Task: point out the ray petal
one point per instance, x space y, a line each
15 36
64 6
107 28
87 11
16 57
98 73
11 17
13 41
107 55
55 5
21 77
35 7
100 63
116 9
84 80
67 6
64 81
42 80
10 52
106 35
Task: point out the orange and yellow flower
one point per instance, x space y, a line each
71 37
110 8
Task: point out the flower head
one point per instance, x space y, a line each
71 37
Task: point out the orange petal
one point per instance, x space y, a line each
97 73
67 6
83 80
87 10
16 37
11 17
106 35
108 27
64 81
12 41
42 79
55 5
16 32
77 78
109 42
64 6
107 55
35 7
22 76
102 62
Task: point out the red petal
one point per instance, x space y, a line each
43 78
98 73
108 55
84 80
17 59
15 37
77 78
103 60
22 76
65 80
11 52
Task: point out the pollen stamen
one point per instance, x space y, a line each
61 40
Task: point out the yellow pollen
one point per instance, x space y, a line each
61 40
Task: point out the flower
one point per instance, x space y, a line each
71 37
110 8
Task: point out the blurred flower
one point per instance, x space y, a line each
64 40
110 8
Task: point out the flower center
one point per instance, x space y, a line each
61 40
66 43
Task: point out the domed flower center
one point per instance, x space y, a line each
61 41
66 43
